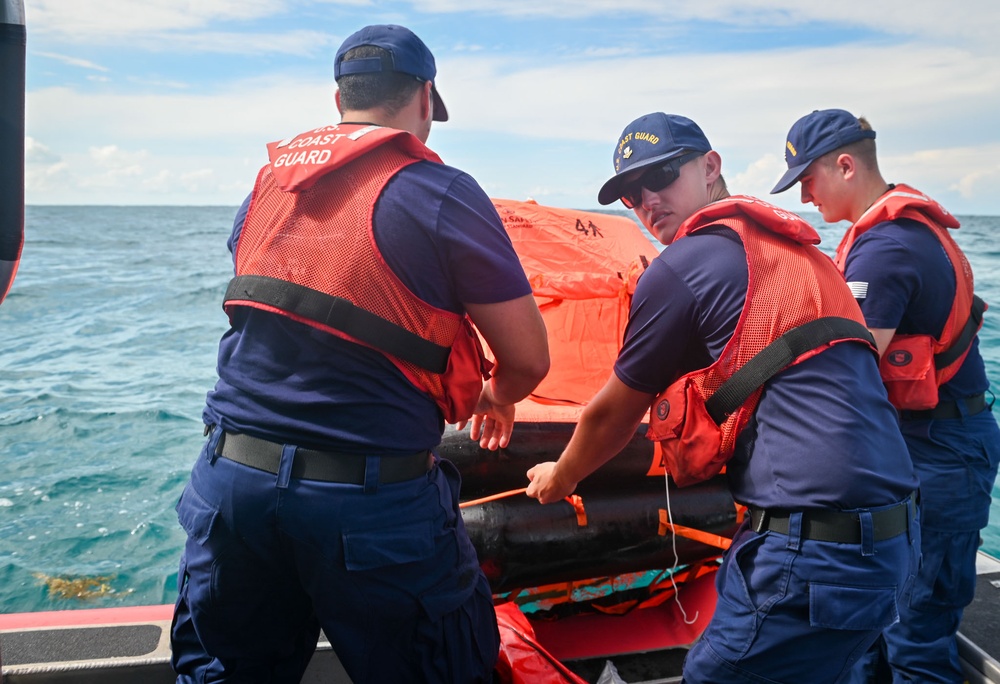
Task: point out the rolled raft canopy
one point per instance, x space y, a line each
582 266
13 43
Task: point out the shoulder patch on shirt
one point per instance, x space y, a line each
859 288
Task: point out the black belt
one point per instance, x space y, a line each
948 409
835 526
325 466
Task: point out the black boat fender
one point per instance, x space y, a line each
487 472
13 45
617 523
521 543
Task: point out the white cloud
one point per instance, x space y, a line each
972 172
979 183
194 181
159 182
758 177
48 178
184 148
736 97
973 19
520 124
72 61
111 157
745 102
300 43
37 153
83 20
158 84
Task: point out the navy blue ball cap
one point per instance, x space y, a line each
650 139
815 134
407 55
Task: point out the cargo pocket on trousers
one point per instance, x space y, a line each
196 515
842 607
458 639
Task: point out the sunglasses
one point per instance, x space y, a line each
655 179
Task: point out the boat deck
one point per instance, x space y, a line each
131 645
979 635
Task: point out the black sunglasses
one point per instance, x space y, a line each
655 179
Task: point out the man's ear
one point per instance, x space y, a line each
846 166
336 98
427 101
713 166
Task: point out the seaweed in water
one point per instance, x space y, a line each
82 587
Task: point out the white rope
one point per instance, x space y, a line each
677 560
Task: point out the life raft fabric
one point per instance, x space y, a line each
582 266
13 42
522 659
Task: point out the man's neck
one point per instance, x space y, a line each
719 191
872 191
370 117
404 120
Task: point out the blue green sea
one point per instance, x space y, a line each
107 348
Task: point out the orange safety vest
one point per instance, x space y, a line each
913 367
796 306
307 251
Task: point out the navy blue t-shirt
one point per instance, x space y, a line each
903 280
291 383
824 434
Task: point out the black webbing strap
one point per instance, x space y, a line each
958 347
340 314
776 356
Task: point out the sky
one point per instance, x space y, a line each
171 102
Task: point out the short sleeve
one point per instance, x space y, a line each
684 311
885 273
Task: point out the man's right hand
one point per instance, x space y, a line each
545 484
492 423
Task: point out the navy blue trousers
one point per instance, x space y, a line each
793 610
388 573
956 463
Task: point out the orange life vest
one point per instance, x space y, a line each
913 367
796 306
307 251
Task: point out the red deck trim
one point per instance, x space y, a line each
94 617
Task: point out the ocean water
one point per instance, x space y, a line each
107 348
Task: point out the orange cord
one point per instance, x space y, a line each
493 497
573 500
